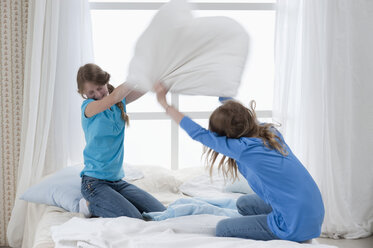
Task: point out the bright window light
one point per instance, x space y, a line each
192 1
148 142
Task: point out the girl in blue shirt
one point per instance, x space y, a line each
287 204
103 121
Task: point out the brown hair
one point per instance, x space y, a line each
234 120
94 74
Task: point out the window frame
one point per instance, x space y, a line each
175 97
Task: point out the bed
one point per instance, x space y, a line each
60 228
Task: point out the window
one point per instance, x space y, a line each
152 138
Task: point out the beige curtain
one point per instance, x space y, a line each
13 26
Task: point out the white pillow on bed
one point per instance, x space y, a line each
206 187
238 186
195 56
62 188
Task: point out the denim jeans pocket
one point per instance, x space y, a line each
89 184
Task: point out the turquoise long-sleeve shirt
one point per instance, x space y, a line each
281 181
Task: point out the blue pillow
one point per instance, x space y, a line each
61 189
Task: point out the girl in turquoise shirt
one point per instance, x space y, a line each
287 204
103 121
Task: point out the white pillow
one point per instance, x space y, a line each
195 56
157 179
206 187
202 186
239 186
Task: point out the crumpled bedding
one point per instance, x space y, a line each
181 232
196 206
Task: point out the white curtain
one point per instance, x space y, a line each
323 98
58 42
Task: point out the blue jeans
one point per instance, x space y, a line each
253 223
117 198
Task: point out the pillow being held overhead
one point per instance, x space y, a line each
193 56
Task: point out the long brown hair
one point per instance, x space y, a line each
93 73
234 120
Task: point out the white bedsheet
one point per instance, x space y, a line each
51 217
72 230
160 182
186 231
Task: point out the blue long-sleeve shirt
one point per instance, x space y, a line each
104 136
281 181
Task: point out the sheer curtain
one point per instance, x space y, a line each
323 99
58 41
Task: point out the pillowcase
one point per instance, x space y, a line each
195 56
158 180
204 186
62 188
239 186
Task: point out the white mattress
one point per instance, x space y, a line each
161 183
186 231
51 217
